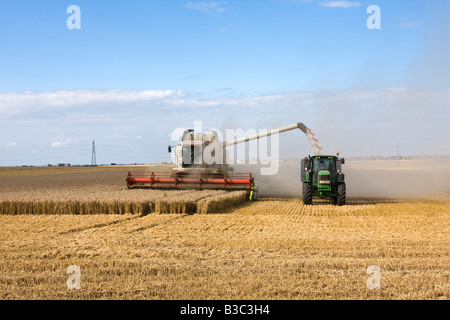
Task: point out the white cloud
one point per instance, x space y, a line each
206 6
17 103
83 103
122 137
61 144
11 144
340 4
357 121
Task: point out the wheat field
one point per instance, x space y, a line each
274 248
86 191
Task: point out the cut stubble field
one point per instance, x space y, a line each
275 248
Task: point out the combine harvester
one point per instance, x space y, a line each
193 171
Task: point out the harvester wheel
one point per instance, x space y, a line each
307 193
341 198
254 195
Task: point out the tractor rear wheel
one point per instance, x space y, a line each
307 193
341 198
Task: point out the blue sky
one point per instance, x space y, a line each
136 70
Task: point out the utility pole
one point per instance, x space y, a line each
94 158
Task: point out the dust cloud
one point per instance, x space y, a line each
399 179
371 179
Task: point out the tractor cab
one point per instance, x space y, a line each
322 177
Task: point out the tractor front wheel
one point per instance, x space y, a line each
341 198
307 193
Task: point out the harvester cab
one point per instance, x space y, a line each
189 155
322 177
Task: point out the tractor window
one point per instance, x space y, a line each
323 164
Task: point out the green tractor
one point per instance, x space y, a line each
322 177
